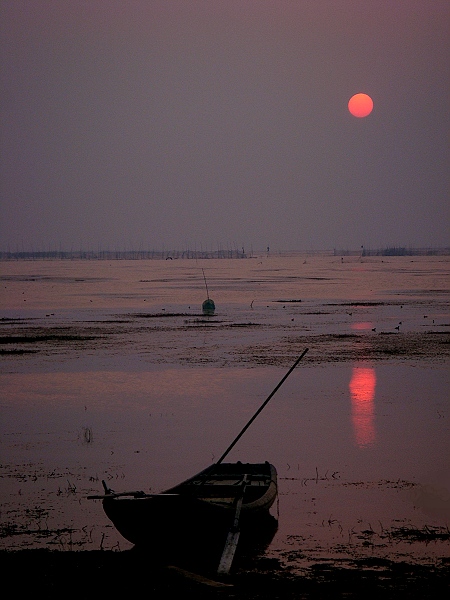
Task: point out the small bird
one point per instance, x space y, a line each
374 329
397 328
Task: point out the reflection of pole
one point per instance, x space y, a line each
262 406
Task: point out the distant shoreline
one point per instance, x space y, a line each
213 254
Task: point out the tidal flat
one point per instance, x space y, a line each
110 371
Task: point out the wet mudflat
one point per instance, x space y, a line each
110 371
96 573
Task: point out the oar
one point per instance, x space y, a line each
133 494
233 535
262 406
136 494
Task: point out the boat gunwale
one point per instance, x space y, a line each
182 491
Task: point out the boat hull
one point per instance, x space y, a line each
196 515
208 307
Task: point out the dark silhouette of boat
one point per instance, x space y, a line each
208 306
205 515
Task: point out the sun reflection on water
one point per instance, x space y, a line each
362 393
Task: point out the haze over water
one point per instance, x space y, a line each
110 371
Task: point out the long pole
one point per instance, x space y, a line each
262 406
206 285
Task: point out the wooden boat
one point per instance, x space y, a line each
205 514
208 306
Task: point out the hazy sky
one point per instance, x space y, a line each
206 123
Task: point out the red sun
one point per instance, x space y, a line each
360 105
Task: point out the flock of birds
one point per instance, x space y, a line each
374 329
397 327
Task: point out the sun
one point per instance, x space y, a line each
360 105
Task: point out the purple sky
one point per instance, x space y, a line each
159 123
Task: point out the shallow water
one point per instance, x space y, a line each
111 372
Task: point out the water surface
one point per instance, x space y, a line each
110 371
